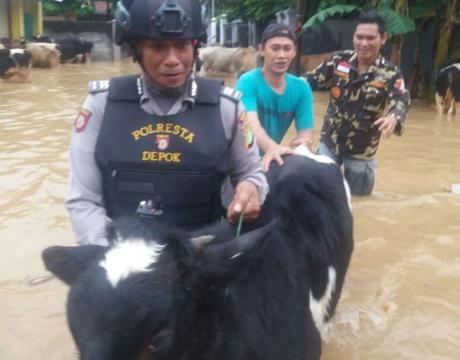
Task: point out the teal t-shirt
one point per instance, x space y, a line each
275 111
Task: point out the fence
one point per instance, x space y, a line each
242 33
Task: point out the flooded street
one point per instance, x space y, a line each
402 295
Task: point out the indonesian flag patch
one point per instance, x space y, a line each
82 120
343 69
399 84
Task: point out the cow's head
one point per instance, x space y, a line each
125 301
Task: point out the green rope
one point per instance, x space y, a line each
240 223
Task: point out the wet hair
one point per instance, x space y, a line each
371 17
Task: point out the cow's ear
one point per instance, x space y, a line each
67 262
225 260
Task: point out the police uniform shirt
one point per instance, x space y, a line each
357 101
85 201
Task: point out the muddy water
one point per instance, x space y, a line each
402 296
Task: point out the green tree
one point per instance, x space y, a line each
69 8
450 18
260 11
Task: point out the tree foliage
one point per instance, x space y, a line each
72 8
396 23
260 11
329 12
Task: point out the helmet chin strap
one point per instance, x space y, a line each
136 54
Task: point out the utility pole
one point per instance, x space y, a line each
299 13
298 16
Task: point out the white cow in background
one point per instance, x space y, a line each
44 54
231 61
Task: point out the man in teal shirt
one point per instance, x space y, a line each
273 98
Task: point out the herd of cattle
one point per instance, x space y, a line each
17 58
43 51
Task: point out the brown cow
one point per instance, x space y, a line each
44 54
310 62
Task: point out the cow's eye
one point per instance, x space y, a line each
152 348
159 341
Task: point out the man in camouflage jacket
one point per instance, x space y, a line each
368 100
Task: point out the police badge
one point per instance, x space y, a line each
162 141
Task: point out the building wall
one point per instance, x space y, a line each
22 18
4 20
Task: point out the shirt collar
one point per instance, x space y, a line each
189 96
353 61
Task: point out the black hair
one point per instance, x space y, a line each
371 17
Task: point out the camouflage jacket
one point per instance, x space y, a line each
357 100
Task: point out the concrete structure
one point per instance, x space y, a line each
20 18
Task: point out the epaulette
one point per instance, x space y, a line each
231 93
98 86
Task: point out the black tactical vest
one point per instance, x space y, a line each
176 161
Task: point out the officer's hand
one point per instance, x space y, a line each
246 201
386 125
275 153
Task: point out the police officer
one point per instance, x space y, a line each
163 137
368 100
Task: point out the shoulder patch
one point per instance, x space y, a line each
82 120
231 93
98 86
399 84
247 132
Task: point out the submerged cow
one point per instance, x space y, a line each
75 49
15 62
44 54
447 88
163 294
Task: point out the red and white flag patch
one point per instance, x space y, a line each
82 120
343 67
399 84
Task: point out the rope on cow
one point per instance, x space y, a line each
240 223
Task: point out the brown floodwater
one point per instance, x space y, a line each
402 295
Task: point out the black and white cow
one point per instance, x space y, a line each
75 49
162 294
447 88
42 38
15 62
